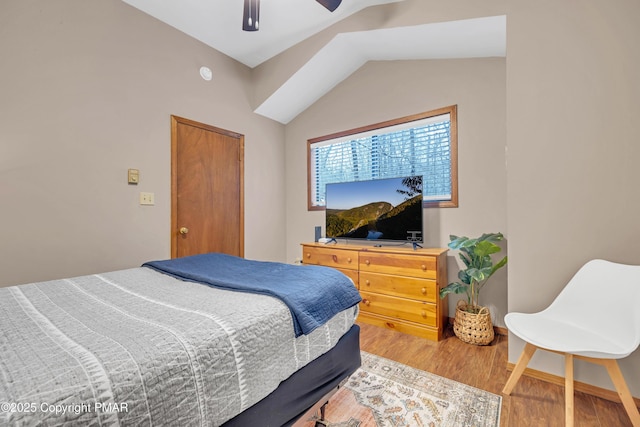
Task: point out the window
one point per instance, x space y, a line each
423 144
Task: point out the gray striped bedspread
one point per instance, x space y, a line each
140 348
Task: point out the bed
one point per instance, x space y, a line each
205 340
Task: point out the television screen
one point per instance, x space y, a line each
381 209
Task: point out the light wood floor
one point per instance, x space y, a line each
532 403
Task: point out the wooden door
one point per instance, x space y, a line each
207 189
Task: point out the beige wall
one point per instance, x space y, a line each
382 91
87 90
573 135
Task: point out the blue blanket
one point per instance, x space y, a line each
313 294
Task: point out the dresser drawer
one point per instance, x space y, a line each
394 307
351 274
331 257
428 332
400 286
422 266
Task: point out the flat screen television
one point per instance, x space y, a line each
382 209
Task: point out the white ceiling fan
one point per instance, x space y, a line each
251 15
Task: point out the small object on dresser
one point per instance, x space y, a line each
327 240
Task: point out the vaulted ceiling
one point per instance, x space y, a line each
356 32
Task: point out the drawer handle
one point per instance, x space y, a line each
424 267
390 325
424 291
335 258
366 302
308 255
367 282
349 260
424 314
367 262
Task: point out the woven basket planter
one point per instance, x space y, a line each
473 328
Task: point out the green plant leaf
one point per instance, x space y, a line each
464 277
483 262
485 248
457 242
455 287
491 237
468 244
465 259
499 265
477 274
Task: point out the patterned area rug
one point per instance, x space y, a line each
386 393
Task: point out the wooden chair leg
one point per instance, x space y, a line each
568 390
623 391
523 360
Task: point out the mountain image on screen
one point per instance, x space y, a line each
379 220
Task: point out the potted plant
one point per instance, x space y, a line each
472 323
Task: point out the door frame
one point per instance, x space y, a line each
175 121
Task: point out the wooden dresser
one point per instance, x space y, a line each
399 286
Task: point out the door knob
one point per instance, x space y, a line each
184 230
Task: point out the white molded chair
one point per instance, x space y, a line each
595 318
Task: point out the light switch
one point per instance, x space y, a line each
134 176
147 199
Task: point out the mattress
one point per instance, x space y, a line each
137 347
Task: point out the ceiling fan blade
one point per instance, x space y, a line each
330 4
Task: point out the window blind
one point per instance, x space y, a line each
421 147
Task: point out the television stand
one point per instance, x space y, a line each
400 286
